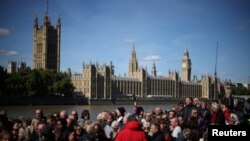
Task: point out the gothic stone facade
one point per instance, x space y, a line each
99 82
14 66
46 44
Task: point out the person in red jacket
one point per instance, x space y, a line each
132 131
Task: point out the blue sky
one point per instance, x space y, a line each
102 30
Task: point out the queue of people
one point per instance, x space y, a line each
187 121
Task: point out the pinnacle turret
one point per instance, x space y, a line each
154 72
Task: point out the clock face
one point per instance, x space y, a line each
184 65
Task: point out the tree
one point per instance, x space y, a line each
3 77
241 91
35 82
63 85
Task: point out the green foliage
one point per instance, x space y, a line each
35 82
241 91
3 76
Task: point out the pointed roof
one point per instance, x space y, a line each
36 18
154 70
36 21
46 19
58 20
154 67
186 54
133 54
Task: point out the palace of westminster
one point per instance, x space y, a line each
100 82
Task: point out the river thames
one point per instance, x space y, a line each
15 112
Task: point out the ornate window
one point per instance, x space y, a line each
39 48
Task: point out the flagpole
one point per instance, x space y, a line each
47 7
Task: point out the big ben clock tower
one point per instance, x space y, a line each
186 67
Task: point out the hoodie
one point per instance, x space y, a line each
132 131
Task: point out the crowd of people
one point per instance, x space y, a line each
187 121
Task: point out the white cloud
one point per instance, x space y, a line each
161 74
4 32
11 53
129 40
152 58
223 74
8 52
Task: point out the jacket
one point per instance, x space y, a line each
131 132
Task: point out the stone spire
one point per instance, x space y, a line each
36 22
133 64
186 54
133 54
154 72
